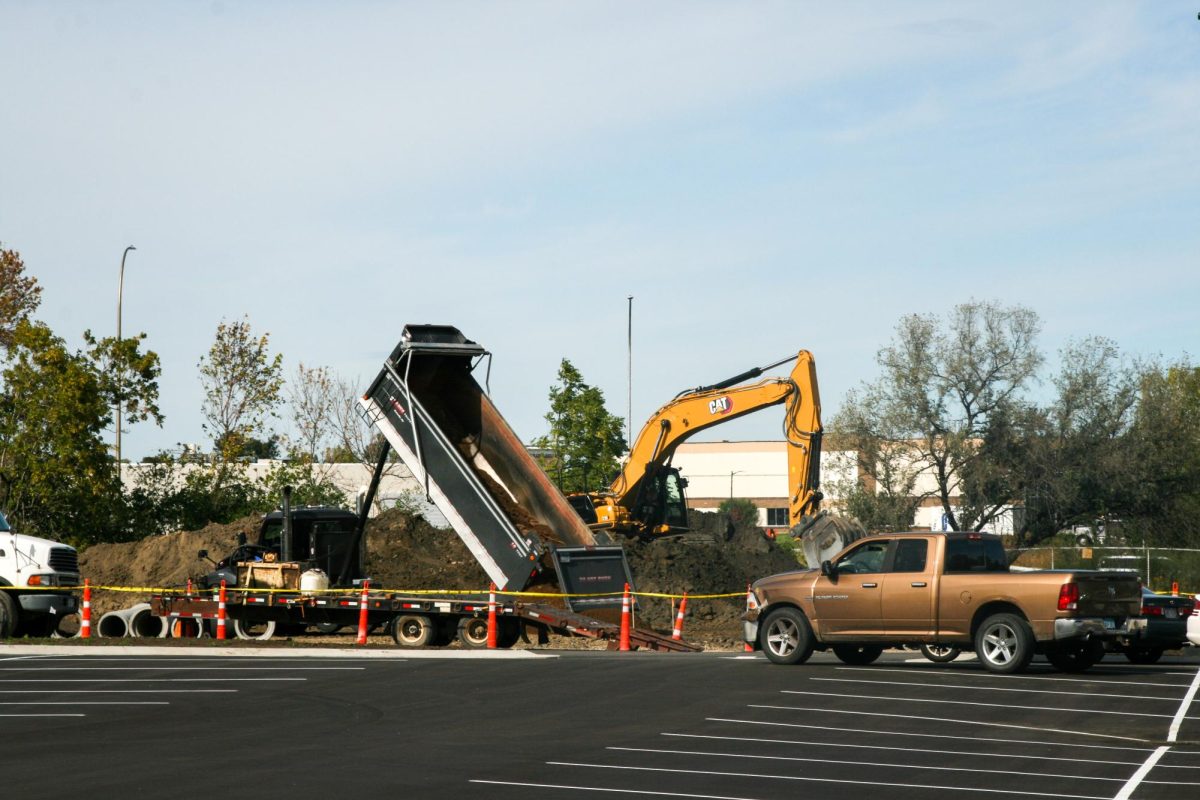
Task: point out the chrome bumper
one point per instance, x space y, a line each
1097 627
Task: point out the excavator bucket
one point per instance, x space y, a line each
428 405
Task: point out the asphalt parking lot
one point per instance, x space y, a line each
589 724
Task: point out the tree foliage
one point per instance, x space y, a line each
920 429
56 476
20 294
242 383
585 442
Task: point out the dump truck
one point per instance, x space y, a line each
430 410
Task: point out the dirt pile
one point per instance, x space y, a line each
156 561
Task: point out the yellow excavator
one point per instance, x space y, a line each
647 498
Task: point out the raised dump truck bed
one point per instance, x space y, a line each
427 404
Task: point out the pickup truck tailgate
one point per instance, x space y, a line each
1108 594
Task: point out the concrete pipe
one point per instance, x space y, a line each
185 628
143 624
68 627
114 624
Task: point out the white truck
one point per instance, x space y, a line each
30 570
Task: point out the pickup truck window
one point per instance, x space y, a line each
975 555
910 555
864 559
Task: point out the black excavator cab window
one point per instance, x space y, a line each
665 502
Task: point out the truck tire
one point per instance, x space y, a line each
1075 656
8 616
1004 643
258 631
786 637
857 654
472 632
1144 655
941 653
413 630
327 627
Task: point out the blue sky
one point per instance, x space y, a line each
762 177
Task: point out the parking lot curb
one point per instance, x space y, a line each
33 650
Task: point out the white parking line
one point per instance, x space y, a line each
975 770
992 689
962 673
807 779
1172 736
169 669
972 703
957 721
7 716
650 792
116 691
143 680
957 738
85 703
811 743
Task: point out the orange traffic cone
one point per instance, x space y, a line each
492 635
221 613
85 614
677 633
362 614
623 644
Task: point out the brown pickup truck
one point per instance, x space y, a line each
952 590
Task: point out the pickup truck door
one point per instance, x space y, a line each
909 589
849 607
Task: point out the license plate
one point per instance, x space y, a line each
1171 613
1110 624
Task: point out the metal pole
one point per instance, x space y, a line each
120 293
629 378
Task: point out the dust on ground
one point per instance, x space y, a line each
405 552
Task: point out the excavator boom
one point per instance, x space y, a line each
638 496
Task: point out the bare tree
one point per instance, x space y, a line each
944 385
313 399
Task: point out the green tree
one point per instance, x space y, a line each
56 476
128 377
20 294
585 442
242 382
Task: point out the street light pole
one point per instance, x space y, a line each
629 378
120 294
731 474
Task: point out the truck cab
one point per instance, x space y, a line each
30 569
323 537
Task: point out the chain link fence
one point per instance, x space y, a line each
1158 567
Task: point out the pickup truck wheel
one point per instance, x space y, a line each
1144 655
941 653
1004 643
857 654
8 616
1075 656
258 631
786 637
413 630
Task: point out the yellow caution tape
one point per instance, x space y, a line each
199 592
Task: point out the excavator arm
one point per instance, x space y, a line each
695 410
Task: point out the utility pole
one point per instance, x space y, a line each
120 293
629 379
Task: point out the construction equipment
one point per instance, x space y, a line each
647 497
471 465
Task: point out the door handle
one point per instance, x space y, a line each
919 584
869 585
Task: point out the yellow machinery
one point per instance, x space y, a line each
647 498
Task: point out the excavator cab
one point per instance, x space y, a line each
662 505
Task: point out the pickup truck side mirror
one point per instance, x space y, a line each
202 554
829 570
